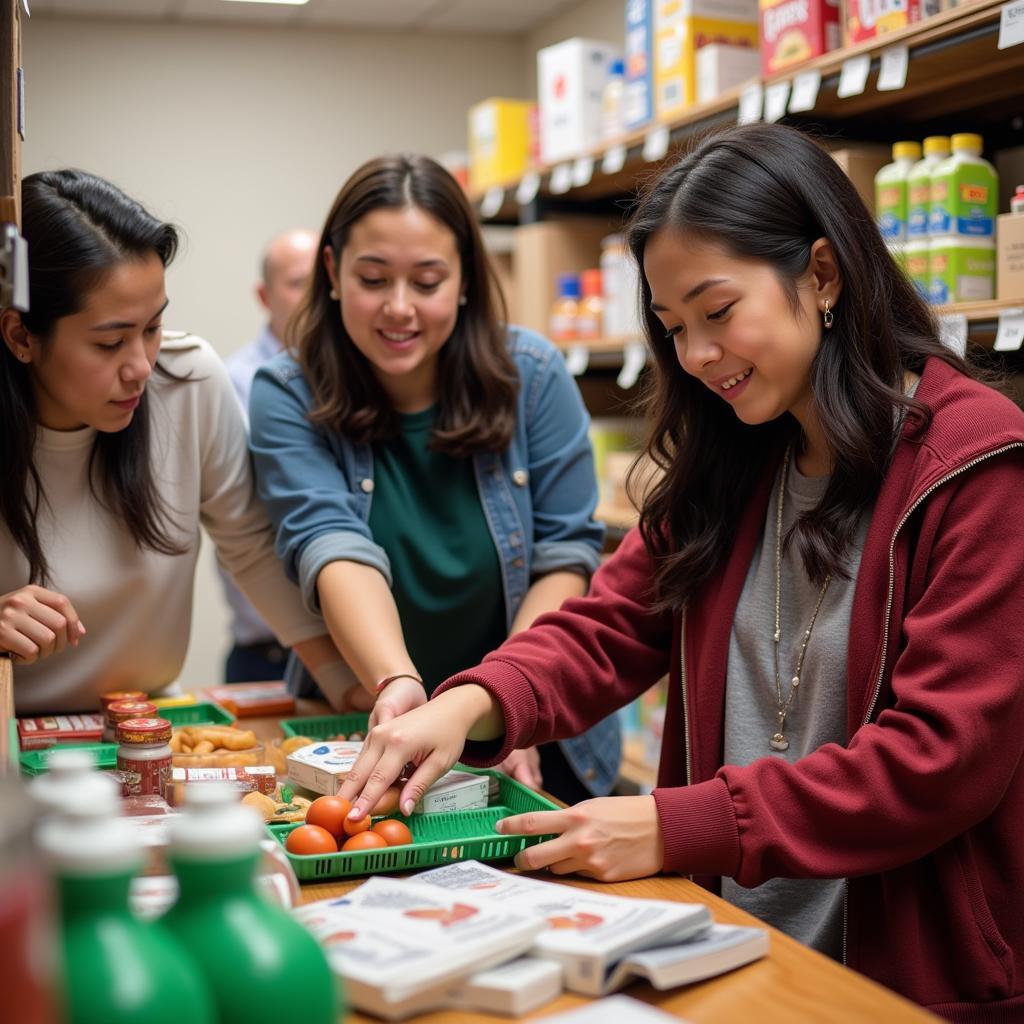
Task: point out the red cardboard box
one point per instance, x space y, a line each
796 31
37 733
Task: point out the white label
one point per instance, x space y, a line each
577 359
582 171
528 188
854 76
776 96
751 102
805 92
561 179
492 201
1011 25
1010 335
893 75
656 144
614 160
953 332
634 355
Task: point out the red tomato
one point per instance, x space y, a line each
310 839
329 812
395 832
364 841
353 828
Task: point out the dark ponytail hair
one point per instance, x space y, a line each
477 378
78 228
767 192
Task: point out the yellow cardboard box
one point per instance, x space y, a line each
681 28
499 142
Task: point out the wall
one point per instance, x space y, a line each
235 134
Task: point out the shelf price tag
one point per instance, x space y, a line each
614 160
776 96
561 179
577 359
492 201
854 76
805 92
751 104
1010 336
528 188
953 332
634 356
893 74
582 171
1011 25
656 144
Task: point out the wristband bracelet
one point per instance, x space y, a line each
401 675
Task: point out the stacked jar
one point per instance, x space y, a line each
144 756
120 711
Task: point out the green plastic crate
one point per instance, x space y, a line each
203 713
438 838
33 762
319 727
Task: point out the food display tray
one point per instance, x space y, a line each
202 713
34 762
321 727
440 838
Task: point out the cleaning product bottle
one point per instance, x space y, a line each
590 311
613 101
115 967
965 192
919 186
1017 200
562 322
260 963
961 269
891 193
67 772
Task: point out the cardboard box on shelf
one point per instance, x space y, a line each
638 100
542 252
795 31
865 19
862 161
681 28
721 67
499 142
571 76
1010 257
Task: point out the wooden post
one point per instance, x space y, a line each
10 140
6 712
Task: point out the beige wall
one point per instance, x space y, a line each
236 133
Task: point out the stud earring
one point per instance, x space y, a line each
828 317
463 300
333 294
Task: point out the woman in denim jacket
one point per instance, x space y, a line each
427 469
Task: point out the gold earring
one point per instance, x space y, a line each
828 317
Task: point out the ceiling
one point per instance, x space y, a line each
493 16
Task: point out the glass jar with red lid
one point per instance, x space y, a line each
144 756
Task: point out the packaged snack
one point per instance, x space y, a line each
36 733
248 700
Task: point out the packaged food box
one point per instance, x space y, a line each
323 767
259 778
795 31
455 791
499 142
36 733
246 700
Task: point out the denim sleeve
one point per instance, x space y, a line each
307 495
561 466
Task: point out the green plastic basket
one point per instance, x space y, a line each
437 838
34 762
203 713
320 727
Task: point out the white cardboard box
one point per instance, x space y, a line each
571 76
721 67
455 791
323 767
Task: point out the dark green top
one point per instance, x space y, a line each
426 515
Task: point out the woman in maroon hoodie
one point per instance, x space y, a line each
829 572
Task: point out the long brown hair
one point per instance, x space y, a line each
477 379
78 228
783 192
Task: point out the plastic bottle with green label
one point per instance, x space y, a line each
961 270
916 254
259 962
115 967
919 186
965 192
891 192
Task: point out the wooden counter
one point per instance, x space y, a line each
792 984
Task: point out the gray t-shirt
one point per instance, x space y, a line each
809 910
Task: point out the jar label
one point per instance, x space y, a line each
144 778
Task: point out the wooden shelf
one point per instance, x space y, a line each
954 67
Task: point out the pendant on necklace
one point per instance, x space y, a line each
778 742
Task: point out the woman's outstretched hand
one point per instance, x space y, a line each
36 622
